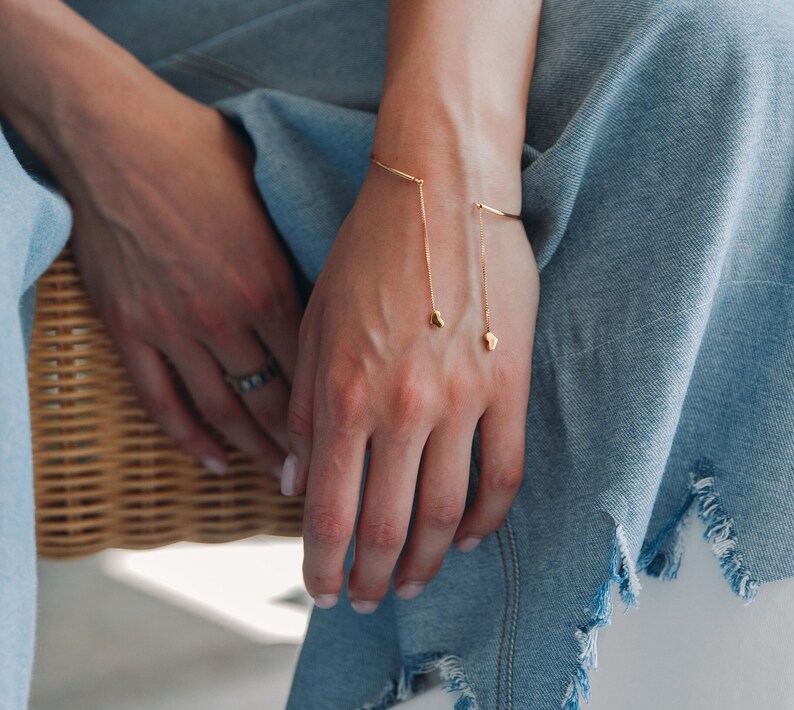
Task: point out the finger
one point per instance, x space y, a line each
283 342
300 414
502 441
157 392
385 514
222 408
441 500
278 324
244 354
332 494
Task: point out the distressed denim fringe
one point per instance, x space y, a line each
623 572
410 681
660 557
721 533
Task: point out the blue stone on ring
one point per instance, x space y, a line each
253 380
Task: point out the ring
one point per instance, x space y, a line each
251 381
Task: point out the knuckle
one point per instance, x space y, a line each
220 412
121 316
381 534
320 584
411 403
505 476
159 406
327 527
347 399
270 303
210 318
458 392
370 590
190 441
512 370
266 415
299 418
442 513
423 570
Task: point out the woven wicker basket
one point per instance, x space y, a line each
105 474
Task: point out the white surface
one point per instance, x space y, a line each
148 643
693 645
182 628
250 586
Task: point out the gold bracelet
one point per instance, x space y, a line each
490 339
435 315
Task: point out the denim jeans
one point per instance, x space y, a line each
658 196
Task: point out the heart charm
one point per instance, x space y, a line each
435 319
490 340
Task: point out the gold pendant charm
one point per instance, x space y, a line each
435 319
490 340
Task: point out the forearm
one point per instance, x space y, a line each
456 86
63 83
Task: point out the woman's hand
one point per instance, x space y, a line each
177 251
171 237
373 370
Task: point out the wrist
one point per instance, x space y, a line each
453 148
83 93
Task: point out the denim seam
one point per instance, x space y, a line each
638 329
514 610
217 69
500 655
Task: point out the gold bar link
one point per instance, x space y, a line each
435 314
490 339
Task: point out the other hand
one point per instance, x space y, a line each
373 372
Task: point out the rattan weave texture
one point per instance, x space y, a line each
105 474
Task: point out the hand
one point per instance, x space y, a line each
178 253
372 370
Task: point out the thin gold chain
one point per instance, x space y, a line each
484 274
490 339
435 314
427 243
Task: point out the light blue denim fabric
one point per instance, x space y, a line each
658 195
34 224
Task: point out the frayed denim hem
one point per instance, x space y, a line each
623 573
661 557
450 669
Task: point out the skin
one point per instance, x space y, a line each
179 255
171 237
372 372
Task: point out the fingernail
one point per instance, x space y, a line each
288 471
326 601
214 465
468 543
410 590
363 607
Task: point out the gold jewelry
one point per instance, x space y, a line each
490 339
435 314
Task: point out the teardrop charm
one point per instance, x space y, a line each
435 319
490 340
